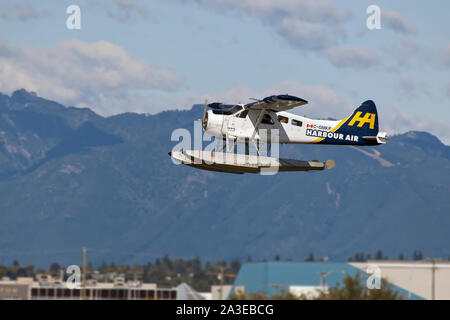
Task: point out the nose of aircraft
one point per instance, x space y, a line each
213 123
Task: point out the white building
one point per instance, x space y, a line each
429 279
48 288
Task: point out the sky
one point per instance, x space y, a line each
150 56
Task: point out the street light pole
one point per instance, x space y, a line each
277 287
433 270
324 274
222 275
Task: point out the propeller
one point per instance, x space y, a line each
205 115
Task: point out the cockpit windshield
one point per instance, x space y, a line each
228 109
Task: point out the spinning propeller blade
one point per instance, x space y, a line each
205 115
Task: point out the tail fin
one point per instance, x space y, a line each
363 121
360 128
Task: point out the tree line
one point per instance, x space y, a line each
350 288
170 272
165 272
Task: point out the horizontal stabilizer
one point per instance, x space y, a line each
381 137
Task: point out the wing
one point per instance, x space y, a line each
281 102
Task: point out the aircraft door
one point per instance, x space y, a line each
270 124
229 125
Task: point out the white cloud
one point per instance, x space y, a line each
446 54
392 20
351 57
20 11
308 25
305 35
323 101
121 10
304 24
98 74
406 53
309 10
412 86
397 120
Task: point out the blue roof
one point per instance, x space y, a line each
258 276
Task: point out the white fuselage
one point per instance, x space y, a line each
291 128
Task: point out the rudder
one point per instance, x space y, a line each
364 120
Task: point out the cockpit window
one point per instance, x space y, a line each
228 111
237 108
242 114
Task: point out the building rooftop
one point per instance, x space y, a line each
268 277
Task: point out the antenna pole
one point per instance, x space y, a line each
83 289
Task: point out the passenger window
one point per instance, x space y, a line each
282 119
296 123
267 119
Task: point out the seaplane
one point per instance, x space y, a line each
265 122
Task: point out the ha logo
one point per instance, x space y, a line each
368 118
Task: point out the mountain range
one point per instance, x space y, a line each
70 178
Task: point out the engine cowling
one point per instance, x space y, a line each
213 123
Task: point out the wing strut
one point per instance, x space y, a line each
230 147
258 122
